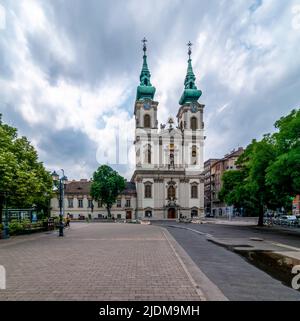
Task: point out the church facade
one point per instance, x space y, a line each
168 181
169 158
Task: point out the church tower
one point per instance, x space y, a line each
169 159
145 111
190 119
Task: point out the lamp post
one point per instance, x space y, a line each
61 181
5 233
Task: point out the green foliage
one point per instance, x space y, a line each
21 174
269 172
107 184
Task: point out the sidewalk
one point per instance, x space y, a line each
240 221
102 262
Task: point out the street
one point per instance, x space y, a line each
237 279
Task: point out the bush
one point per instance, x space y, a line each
15 227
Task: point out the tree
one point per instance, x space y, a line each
269 170
283 175
107 184
22 176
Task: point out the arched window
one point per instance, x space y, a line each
194 191
171 192
147 121
193 123
148 190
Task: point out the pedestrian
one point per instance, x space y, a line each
68 220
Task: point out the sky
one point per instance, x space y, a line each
69 71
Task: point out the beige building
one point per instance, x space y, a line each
217 169
79 204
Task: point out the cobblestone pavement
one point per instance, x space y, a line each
95 262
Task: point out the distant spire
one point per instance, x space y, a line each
144 45
189 44
145 76
191 93
189 82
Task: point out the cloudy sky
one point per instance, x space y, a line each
69 70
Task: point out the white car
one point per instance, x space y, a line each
288 219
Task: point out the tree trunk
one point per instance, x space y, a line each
261 216
108 212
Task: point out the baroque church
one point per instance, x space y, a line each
169 158
168 181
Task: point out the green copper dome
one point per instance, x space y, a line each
145 90
190 93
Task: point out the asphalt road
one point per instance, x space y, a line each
236 278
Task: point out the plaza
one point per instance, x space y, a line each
97 262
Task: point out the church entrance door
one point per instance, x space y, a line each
171 213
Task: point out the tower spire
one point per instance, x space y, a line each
145 89
190 93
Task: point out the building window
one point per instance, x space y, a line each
70 202
194 191
80 203
171 192
119 216
147 121
128 203
118 203
90 203
148 190
148 213
193 123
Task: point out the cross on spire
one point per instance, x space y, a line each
189 44
144 45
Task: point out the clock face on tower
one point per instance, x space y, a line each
147 105
193 107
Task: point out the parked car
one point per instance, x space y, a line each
288 220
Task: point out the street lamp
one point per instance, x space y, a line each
61 181
5 233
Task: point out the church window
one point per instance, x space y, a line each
148 190
194 151
171 192
147 121
194 191
80 203
148 154
193 123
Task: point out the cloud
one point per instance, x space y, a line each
69 71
